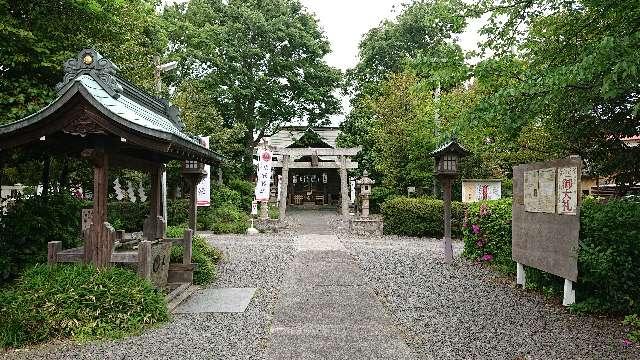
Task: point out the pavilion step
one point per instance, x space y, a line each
180 294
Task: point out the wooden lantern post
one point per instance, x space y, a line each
193 171
446 169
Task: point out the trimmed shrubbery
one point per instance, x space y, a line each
608 260
79 302
420 217
379 195
30 224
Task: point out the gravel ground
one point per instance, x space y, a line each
466 311
462 311
249 262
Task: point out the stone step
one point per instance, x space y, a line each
182 295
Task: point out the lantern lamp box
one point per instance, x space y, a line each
546 216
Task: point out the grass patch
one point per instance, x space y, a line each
78 302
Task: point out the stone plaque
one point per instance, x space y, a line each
160 258
542 236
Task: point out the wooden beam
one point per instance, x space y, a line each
321 165
129 162
296 152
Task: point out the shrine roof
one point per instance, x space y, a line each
288 136
451 146
122 103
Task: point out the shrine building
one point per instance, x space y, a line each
309 171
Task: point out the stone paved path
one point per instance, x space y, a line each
326 310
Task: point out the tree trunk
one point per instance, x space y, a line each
248 159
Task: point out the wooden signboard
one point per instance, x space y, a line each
474 190
546 216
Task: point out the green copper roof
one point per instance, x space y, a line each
94 78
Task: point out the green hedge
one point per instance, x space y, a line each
420 217
28 226
608 260
379 195
79 302
126 215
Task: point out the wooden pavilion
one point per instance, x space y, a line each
105 119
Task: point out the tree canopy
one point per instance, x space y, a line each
555 78
259 63
39 36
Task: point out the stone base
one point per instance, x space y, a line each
267 225
366 226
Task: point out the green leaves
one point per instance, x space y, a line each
77 301
259 64
36 43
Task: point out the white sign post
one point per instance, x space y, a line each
203 197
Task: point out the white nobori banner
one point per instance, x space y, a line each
204 186
263 183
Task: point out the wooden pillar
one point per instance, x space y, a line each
448 249
54 247
154 226
220 174
344 189
188 247
193 204
145 262
284 186
94 249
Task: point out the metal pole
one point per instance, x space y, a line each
448 249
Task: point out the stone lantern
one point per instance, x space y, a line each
365 183
446 169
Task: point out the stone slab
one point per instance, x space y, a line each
335 342
227 300
325 273
327 305
318 242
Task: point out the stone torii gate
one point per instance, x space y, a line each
286 161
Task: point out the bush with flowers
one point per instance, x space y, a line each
486 233
608 260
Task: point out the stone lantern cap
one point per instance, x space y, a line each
365 179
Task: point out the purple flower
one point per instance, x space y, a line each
475 228
486 257
480 243
627 342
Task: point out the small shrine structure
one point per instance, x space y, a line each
103 118
309 170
